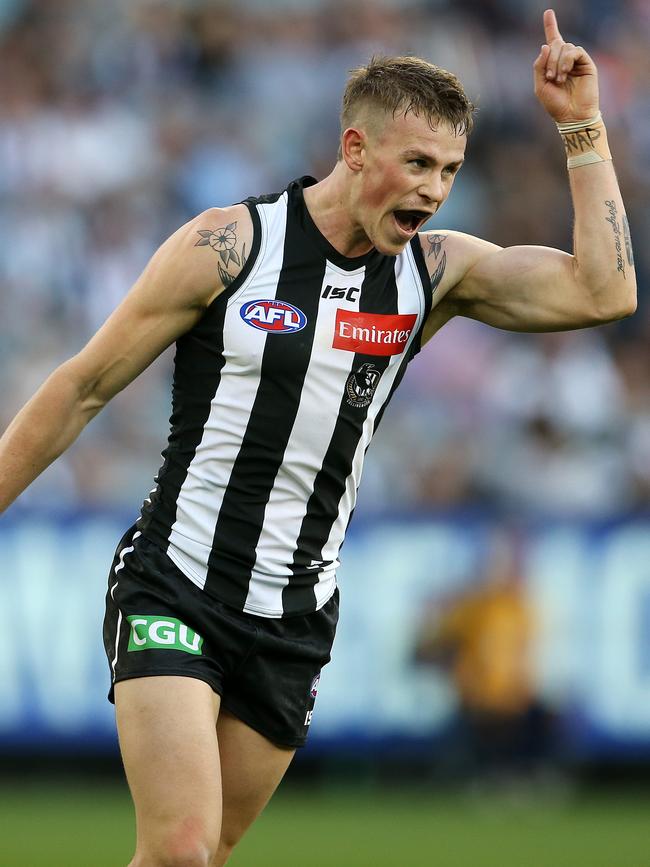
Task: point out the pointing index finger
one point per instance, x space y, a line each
551 30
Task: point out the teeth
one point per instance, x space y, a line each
410 219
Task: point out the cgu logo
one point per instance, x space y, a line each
152 632
276 317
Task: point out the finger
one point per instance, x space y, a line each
566 61
551 30
539 68
553 59
540 61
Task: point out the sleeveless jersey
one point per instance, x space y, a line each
277 393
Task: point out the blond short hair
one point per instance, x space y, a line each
399 85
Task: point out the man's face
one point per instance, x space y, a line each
407 173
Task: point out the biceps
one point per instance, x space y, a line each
525 289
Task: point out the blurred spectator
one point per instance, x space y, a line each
483 638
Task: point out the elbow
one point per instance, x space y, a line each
83 390
627 306
615 304
620 311
630 309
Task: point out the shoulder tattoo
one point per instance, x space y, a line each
436 242
224 242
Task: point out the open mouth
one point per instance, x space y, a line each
410 221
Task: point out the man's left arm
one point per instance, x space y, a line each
527 288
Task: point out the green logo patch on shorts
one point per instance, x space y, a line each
153 632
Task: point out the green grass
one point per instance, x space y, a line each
89 826
65 826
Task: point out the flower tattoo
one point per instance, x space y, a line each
222 241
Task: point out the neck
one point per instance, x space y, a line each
330 206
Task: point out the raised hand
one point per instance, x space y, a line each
566 79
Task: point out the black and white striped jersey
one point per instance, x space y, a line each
277 393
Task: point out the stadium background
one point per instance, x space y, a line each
120 119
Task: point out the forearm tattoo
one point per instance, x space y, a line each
628 242
223 241
435 249
616 228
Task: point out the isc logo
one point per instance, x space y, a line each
348 292
278 317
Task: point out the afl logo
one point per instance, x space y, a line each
276 317
313 691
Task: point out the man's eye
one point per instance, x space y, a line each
419 163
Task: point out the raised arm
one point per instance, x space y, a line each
183 277
530 288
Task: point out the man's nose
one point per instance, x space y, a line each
431 189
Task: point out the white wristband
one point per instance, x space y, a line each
577 125
585 141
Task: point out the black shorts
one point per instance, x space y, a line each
266 670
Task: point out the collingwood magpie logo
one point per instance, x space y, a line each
361 384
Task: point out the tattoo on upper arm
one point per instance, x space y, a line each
223 241
628 242
435 248
435 244
613 220
438 274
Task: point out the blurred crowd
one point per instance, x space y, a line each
121 119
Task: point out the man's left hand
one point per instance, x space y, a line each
566 79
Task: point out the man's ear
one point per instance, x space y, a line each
353 148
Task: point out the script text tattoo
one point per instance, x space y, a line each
616 229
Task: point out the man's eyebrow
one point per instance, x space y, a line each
432 158
416 152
